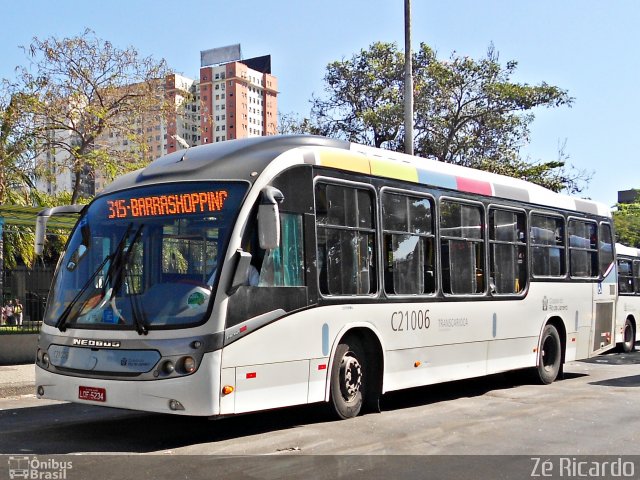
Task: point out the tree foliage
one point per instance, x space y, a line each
626 219
16 171
85 88
468 112
16 142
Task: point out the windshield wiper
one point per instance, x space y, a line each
139 322
60 324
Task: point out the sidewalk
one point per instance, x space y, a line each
17 380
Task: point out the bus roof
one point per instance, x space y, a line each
627 251
245 159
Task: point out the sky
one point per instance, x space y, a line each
588 47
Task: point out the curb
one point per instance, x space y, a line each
17 389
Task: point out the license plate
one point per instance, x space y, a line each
94 394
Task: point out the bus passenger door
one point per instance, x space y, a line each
603 325
604 294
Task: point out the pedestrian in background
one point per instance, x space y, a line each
17 312
8 311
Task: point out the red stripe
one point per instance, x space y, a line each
251 375
322 367
474 186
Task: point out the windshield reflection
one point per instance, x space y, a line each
146 258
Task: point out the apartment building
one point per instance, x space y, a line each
228 100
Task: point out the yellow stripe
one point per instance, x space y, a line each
389 169
344 160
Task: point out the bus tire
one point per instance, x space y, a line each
348 379
629 339
550 358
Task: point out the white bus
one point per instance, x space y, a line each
628 307
268 272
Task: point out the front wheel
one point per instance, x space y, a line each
629 342
348 379
550 358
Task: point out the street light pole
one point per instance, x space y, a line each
408 81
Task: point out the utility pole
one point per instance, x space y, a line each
408 81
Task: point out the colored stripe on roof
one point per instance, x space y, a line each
361 162
514 193
474 186
345 160
399 171
437 179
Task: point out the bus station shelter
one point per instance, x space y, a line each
26 217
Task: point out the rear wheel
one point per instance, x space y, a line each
550 358
348 383
629 342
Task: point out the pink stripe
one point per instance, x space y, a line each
474 186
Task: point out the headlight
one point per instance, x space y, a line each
188 365
168 367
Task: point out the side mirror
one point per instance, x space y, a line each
269 218
242 261
41 228
43 217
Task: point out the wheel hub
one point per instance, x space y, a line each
350 376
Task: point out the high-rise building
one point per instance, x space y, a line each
230 99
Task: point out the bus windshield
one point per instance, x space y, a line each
145 258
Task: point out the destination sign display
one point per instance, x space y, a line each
167 204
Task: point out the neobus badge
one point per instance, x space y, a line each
84 342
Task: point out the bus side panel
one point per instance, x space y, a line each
260 387
429 365
511 354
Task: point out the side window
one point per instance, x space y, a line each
508 251
284 266
583 249
462 246
605 248
625 276
547 246
346 240
636 275
408 245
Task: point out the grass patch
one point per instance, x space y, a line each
18 330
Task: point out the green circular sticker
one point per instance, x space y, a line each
195 299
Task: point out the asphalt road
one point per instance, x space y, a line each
592 411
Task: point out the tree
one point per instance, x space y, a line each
626 219
16 141
364 103
291 124
467 112
16 172
87 88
